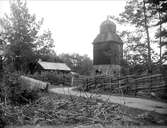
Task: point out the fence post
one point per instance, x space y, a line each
95 82
111 83
135 87
150 84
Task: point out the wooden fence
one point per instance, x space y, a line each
141 85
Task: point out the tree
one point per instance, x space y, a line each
44 44
160 11
138 14
134 53
148 36
20 31
134 50
80 64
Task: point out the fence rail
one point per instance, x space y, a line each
150 85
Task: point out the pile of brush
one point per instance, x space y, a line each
55 109
63 110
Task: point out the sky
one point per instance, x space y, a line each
74 23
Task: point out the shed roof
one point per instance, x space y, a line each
54 66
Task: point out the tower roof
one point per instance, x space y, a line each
107 37
107 26
107 32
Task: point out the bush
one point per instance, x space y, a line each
13 95
2 120
13 91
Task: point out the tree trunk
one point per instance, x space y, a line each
148 38
160 47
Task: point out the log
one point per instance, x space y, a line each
33 84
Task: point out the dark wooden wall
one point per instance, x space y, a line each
107 53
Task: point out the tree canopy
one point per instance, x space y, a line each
144 16
80 64
20 31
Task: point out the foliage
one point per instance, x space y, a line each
12 94
135 52
12 90
80 64
52 57
44 44
20 32
133 14
160 11
142 15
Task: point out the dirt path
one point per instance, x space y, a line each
139 103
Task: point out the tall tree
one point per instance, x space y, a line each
147 33
135 52
44 44
136 13
159 9
20 31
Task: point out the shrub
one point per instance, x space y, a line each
13 91
2 120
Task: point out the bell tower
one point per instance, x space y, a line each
107 49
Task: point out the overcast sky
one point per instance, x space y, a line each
74 24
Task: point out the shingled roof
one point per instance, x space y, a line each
107 33
54 66
104 37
